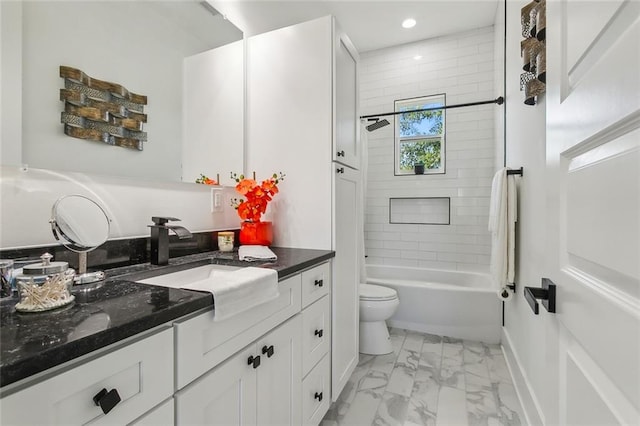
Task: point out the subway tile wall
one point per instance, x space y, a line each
462 67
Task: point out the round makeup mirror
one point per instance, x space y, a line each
81 225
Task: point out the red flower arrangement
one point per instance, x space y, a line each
257 196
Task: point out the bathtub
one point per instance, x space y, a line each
448 303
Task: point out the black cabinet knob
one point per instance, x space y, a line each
319 283
107 400
268 350
318 396
318 333
340 153
254 360
340 170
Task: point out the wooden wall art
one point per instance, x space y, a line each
101 111
533 18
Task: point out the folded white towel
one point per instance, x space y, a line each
238 291
254 253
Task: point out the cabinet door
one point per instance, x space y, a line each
346 148
224 396
280 375
344 285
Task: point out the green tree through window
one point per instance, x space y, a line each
420 135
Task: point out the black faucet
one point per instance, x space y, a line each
160 238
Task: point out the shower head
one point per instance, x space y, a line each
378 123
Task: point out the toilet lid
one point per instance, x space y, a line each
377 292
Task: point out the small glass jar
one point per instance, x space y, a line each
44 286
225 241
6 276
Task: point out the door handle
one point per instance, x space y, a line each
318 333
547 294
254 361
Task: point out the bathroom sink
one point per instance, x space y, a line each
181 278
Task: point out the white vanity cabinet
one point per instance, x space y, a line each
141 373
267 366
258 385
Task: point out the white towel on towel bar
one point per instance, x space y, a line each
238 291
503 216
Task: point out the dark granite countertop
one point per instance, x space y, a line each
34 342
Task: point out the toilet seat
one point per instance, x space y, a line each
376 292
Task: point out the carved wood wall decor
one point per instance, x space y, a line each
533 49
101 111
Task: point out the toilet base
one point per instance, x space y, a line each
374 338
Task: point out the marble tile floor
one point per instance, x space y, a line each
429 380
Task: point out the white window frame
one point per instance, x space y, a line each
418 103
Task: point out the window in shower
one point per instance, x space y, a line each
419 136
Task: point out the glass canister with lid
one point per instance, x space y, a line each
44 286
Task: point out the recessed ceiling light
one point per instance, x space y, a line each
409 23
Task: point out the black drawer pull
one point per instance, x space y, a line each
318 396
340 170
318 333
254 360
107 400
319 282
267 350
547 294
340 153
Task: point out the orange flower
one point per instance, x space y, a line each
206 180
257 196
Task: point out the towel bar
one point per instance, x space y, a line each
519 172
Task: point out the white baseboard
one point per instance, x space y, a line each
528 400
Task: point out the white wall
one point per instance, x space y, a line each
462 66
27 198
291 68
524 332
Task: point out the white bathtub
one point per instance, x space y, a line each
447 303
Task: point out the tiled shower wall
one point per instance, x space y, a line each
462 67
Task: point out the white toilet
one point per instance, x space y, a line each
377 304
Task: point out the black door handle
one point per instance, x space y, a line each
267 350
319 283
547 294
318 396
318 333
107 400
254 360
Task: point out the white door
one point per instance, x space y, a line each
593 162
280 376
344 285
224 396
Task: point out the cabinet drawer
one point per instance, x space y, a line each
316 333
315 393
162 415
201 343
316 282
142 374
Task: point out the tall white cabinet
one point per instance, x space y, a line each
302 120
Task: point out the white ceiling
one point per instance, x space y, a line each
371 25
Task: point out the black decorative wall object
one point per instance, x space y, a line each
533 49
101 111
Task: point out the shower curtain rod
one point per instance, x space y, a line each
498 101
